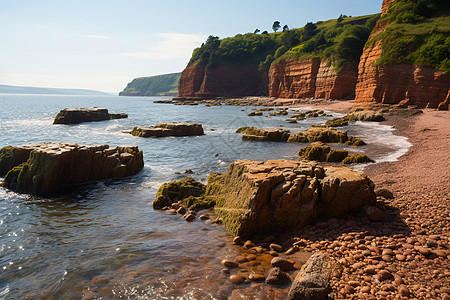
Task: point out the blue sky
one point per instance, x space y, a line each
103 45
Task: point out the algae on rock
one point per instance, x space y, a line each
172 192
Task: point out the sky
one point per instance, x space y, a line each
104 44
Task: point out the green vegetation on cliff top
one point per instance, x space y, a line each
418 33
160 85
340 40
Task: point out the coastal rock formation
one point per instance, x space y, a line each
314 279
169 129
224 80
312 134
85 114
256 197
395 83
172 192
47 167
311 78
319 151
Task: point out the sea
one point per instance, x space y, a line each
104 240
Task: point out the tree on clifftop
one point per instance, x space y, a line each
256 31
276 26
285 28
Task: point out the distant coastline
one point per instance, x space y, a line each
11 89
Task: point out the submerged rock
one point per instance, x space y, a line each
85 114
255 197
46 167
169 129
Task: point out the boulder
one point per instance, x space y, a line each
255 197
364 115
172 192
47 167
313 280
169 129
319 151
85 114
357 159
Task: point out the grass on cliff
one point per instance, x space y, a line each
159 85
340 40
418 33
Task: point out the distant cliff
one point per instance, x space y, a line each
400 55
407 58
161 85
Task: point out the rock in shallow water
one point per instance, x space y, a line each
169 129
47 167
85 114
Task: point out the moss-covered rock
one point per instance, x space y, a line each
46 167
264 197
357 159
271 135
176 129
255 113
175 191
317 151
85 114
199 203
319 134
365 115
336 155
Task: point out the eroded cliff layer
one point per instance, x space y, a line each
394 83
223 80
311 78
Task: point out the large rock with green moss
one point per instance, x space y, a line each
255 197
172 192
47 167
364 115
176 129
312 134
319 151
85 114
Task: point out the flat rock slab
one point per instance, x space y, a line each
46 167
255 197
85 114
176 129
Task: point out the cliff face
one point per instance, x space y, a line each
223 80
310 78
391 84
160 85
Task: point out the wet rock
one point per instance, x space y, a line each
237 279
181 210
85 114
241 259
313 280
190 217
48 167
175 191
256 277
169 129
276 276
229 263
276 247
237 240
282 263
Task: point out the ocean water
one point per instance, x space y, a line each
103 240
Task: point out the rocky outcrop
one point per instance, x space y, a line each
169 129
47 167
172 192
224 80
319 151
262 197
85 114
395 83
311 78
312 134
314 279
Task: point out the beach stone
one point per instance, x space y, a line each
237 279
370 270
282 263
190 217
384 274
229 263
237 240
248 214
172 211
47 167
276 247
256 277
374 214
181 210
313 279
203 217
424 251
403 290
348 289
276 276
175 129
384 193
249 244
85 114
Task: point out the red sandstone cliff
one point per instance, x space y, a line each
390 84
224 80
310 78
